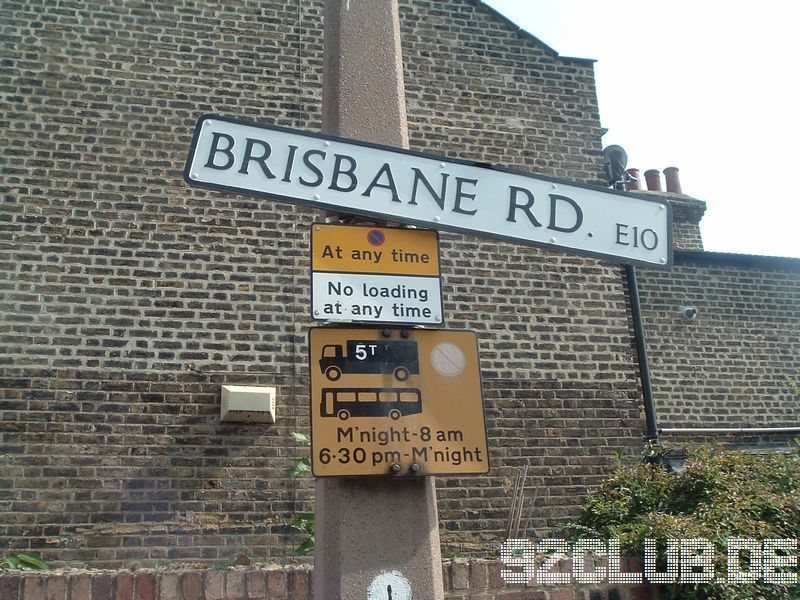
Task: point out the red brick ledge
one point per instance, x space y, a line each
480 579
463 580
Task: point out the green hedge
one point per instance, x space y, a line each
720 494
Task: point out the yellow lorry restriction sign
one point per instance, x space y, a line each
396 402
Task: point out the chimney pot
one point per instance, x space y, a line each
672 179
653 178
634 184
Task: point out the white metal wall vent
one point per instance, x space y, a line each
247 404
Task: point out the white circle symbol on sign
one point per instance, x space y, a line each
389 585
448 359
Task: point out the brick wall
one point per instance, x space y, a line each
115 276
103 468
235 584
479 88
727 367
116 264
687 212
475 579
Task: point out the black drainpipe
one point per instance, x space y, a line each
641 351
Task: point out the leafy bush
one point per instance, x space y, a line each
720 494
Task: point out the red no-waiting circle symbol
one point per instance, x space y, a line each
376 237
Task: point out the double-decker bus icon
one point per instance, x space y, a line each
370 402
400 358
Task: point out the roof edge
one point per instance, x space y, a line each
738 260
526 33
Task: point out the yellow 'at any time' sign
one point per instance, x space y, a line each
396 402
375 275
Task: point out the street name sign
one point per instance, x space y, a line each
390 184
396 402
375 275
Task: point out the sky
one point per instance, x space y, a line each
712 88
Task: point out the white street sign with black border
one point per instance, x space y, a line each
391 184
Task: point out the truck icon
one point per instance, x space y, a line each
400 358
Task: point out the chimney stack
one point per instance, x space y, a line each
653 178
673 182
634 184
